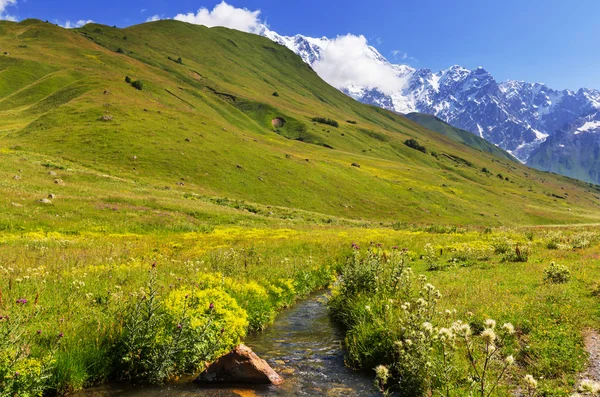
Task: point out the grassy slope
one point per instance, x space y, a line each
182 128
435 124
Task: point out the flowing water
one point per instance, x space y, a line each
303 346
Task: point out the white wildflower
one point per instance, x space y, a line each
530 382
489 323
508 328
488 335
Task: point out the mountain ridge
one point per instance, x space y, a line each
514 115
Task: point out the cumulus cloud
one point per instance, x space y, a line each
4 4
349 60
224 15
78 24
154 18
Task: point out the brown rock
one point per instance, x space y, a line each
242 365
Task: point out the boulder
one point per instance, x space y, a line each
242 365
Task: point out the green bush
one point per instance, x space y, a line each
520 254
162 339
138 85
414 144
324 120
394 325
557 274
22 373
128 79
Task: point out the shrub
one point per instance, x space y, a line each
520 254
433 261
20 373
485 170
502 245
350 121
275 93
414 144
395 326
128 79
120 51
327 121
163 339
138 85
557 274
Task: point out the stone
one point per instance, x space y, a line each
52 196
59 182
51 173
242 365
16 177
45 201
106 118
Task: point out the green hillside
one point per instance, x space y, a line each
204 127
435 124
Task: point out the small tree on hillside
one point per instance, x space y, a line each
138 85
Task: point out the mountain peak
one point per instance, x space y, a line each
515 115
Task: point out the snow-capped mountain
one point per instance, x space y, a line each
574 150
515 115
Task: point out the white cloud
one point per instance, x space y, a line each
143 10
154 18
4 4
8 17
397 54
349 60
78 24
224 15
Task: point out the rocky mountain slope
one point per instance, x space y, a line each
515 115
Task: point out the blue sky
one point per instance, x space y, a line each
550 41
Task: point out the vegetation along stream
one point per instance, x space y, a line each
303 345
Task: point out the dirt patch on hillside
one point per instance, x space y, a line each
278 122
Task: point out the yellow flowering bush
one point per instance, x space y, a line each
212 312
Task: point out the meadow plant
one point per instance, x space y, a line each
502 245
21 372
394 325
162 339
589 387
530 386
557 274
520 253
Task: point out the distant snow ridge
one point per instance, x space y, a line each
515 115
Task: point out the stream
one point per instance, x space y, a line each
303 346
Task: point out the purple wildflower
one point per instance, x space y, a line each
39 332
211 306
61 335
179 326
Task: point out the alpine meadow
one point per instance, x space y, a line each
169 189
